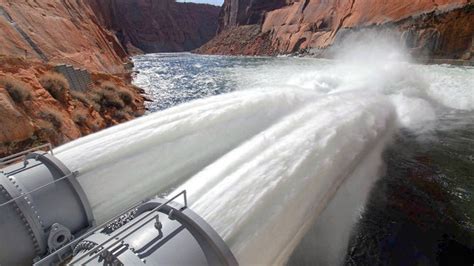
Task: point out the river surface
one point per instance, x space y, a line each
420 209
363 160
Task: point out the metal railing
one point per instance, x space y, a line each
23 195
118 240
14 158
101 226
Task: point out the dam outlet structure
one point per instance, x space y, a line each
46 219
232 154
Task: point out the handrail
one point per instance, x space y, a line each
112 237
73 174
5 161
99 227
87 234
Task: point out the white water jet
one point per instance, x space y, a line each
126 163
326 242
300 143
262 196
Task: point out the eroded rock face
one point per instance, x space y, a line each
35 37
246 12
299 25
40 115
58 32
158 26
15 126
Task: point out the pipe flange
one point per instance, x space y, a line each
28 228
28 199
53 164
27 212
48 209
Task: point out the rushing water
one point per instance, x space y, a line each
282 163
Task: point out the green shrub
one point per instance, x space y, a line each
87 100
80 96
79 118
120 115
109 98
108 85
18 90
126 96
56 84
53 117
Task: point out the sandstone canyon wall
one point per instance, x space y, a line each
56 31
158 25
246 12
430 28
37 104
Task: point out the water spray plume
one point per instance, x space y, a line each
295 148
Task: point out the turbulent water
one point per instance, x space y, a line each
282 160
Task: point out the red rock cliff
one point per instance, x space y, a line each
246 12
439 28
53 31
159 26
37 104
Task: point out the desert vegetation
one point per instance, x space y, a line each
108 96
57 85
18 90
32 117
53 117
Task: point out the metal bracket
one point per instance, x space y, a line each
59 235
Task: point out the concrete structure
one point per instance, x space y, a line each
79 79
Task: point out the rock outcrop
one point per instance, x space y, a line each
38 106
436 28
158 26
